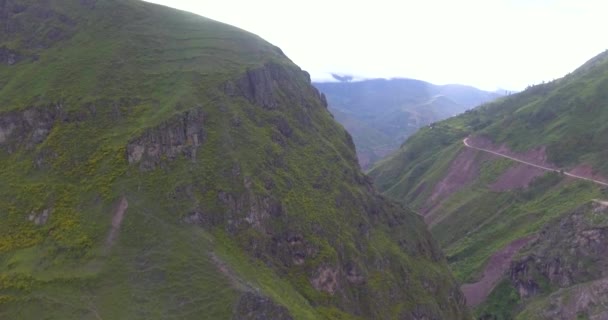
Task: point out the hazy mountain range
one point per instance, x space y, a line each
516 192
380 114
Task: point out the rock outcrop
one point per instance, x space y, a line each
245 199
26 128
569 258
9 57
567 253
263 87
255 307
180 136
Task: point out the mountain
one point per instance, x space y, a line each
515 191
380 114
160 165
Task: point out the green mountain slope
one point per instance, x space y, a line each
160 165
380 114
481 206
563 275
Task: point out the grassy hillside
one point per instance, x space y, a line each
380 114
477 203
160 165
563 274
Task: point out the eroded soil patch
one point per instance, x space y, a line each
497 265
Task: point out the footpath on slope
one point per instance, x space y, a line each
117 218
498 264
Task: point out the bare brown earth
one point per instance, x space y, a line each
584 170
516 177
235 281
117 218
536 158
497 265
463 170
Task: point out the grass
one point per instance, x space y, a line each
563 299
472 240
129 72
381 114
568 117
502 304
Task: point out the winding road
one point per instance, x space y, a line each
602 183
498 263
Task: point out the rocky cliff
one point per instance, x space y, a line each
489 181
569 255
160 165
380 114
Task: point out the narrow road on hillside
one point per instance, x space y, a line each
476 293
604 203
602 183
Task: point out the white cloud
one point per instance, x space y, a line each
486 43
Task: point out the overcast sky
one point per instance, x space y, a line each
485 43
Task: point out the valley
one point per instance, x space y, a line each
159 164
513 191
380 114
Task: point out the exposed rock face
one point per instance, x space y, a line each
262 87
252 157
292 248
570 255
26 128
180 136
249 208
41 218
568 252
497 265
9 57
522 279
475 222
326 279
584 301
255 307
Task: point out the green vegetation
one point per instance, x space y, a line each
567 116
244 196
380 114
501 305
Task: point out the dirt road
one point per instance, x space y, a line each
498 264
602 183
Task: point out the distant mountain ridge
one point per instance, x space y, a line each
529 242
381 113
